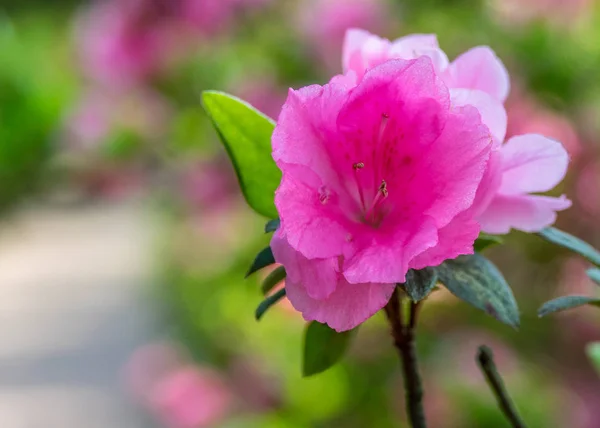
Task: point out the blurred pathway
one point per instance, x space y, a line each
74 304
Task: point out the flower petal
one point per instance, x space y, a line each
348 306
532 163
311 221
454 240
493 114
318 276
529 213
480 68
416 45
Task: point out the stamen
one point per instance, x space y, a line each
358 166
324 194
383 188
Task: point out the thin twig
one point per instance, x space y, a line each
404 340
485 359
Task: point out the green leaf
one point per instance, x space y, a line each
572 243
323 347
419 283
246 134
263 259
478 282
484 241
594 274
593 352
566 302
268 302
273 279
272 225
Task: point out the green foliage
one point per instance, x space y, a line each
263 259
268 302
272 225
572 243
273 279
246 134
485 241
593 352
323 347
566 302
419 283
478 282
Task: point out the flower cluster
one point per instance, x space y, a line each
398 164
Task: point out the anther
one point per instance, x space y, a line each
383 188
358 165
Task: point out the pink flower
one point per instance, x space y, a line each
191 398
478 68
324 23
379 176
122 41
523 165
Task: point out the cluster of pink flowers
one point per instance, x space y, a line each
398 164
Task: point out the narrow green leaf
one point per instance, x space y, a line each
594 274
572 243
246 134
593 352
272 225
263 259
323 347
419 283
268 302
273 279
484 241
566 302
478 282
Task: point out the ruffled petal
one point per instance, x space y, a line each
532 163
529 213
493 114
480 68
318 276
347 307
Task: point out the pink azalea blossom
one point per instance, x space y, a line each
191 398
379 176
523 165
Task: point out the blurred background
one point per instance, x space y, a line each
124 239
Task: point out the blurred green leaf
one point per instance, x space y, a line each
273 279
572 243
594 274
268 302
419 283
246 134
122 145
566 302
478 282
263 259
323 347
485 241
593 352
272 225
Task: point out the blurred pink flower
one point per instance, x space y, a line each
209 185
191 397
523 165
100 112
207 16
377 187
588 183
324 23
262 93
121 42
179 394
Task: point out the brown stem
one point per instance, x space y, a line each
404 341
